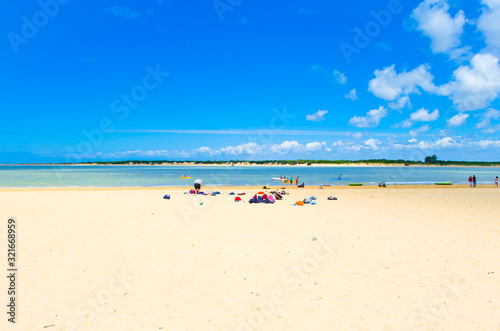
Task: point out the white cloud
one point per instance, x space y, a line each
315 146
401 103
486 117
445 143
476 86
389 85
204 150
372 143
487 143
352 95
434 21
339 77
413 140
371 120
251 148
423 115
407 123
318 116
422 129
488 24
457 120
357 135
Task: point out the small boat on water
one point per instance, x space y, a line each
186 177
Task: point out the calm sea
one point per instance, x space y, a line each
137 176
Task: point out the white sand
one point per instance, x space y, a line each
400 258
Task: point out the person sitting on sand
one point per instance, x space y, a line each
197 185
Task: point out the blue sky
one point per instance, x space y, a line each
248 80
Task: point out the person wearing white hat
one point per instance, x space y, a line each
197 185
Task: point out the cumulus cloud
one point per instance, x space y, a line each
488 24
400 103
389 85
249 148
422 129
371 120
317 116
372 143
423 115
352 95
293 147
457 120
315 146
339 77
407 123
485 121
357 135
474 86
434 21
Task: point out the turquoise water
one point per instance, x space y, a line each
137 176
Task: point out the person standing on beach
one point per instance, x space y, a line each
297 181
496 181
197 185
470 181
474 183
291 180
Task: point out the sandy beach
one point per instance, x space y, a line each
396 258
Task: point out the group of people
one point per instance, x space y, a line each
290 180
473 181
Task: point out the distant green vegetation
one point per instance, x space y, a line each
429 160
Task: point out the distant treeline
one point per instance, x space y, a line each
428 161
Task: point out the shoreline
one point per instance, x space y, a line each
241 188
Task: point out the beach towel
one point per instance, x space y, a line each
313 203
271 199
